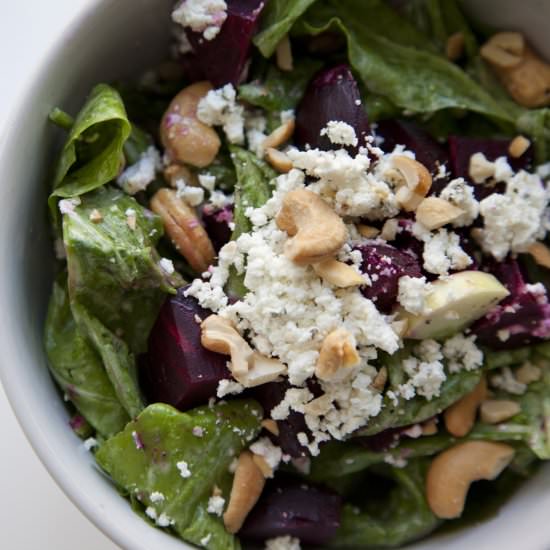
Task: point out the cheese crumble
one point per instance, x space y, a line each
204 16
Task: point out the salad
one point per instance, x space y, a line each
302 295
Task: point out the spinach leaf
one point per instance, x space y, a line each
116 285
278 90
277 20
78 369
253 189
92 154
401 517
144 458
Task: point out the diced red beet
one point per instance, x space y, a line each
332 94
385 264
427 150
225 58
462 148
269 396
176 369
216 222
288 506
521 319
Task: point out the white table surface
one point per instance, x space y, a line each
34 512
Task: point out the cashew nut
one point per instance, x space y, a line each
338 273
248 484
284 54
434 213
176 172
454 47
452 472
318 406
518 146
540 253
248 367
390 229
367 231
417 179
271 426
317 231
504 49
460 416
337 352
279 136
184 229
494 411
528 373
379 382
429 427
278 160
186 139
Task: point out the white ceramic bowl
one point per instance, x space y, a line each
108 39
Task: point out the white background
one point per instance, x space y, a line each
34 513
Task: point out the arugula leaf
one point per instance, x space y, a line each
401 517
144 459
279 90
92 154
277 20
116 285
78 369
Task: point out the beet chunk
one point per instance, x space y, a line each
288 506
332 94
225 58
385 264
216 222
523 318
427 150
176 369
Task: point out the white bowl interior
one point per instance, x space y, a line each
110 40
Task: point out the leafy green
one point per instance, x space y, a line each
61 118
279 90
116 285
277 20
401 517
497 359
137 143
78 369
92 154
253 189
144 458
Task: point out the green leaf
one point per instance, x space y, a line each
143 459
116 285
402 516
279 90
78 369
277 20
92 154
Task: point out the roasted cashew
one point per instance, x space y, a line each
278 160
540 253
317 231
504 49
434 213
518 146
454 47
452 472
337 352
528 373
279 136
186 139
368 231
270 425
338 273
460 416
184 229
248 484
494 411
417 182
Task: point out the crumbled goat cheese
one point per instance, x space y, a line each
413 292
442 250
139 175
271 453
156 496
461 195
205 540
283 543
131 218
220 108
461 352
513 221
216 504
228 387
183 467
218 199
208 181
395 461
255 125
90 443
205 16
67 206
167 266
162 521
193 196
287 115
507 382
340 133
